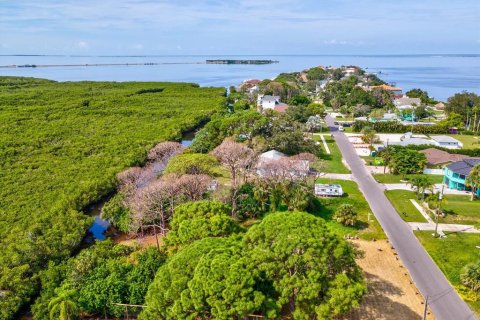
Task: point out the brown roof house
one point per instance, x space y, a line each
439 157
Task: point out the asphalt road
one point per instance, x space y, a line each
442 298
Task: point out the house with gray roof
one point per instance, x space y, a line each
455 174
447 142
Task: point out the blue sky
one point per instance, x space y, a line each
239 27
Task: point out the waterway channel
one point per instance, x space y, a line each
100 227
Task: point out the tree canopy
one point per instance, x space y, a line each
311 271
197 220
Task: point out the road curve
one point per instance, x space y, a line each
442 298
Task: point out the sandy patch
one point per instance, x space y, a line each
391 293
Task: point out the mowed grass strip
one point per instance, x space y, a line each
396 178
333 161
459 209
400 200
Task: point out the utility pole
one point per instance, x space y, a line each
385 162
425 309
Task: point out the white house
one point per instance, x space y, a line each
276 164
350 71
447 142
409 139
406 102
267 102
328 190
389 117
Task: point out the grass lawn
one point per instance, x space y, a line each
469 142
451 254
459 209
333 161
400 200
393 178
364 229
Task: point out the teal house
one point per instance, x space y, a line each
456 173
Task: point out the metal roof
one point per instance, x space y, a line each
463 167
445 139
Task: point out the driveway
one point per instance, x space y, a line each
437 188
442 298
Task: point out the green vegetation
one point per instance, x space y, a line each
197 220
400 200
61 145
333 161
467 105
458 209
423 95
363 228
402 161
230 278
452 254
346 215
95 279
192 163
395 178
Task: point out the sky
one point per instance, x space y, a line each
236 27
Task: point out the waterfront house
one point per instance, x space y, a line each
395 91
447 142
350 71
328 190
456 173
406 102
267 101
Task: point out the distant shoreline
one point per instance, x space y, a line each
217 61
94 64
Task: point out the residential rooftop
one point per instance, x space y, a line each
464 166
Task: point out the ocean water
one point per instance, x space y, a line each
440 75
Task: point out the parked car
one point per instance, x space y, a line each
341 128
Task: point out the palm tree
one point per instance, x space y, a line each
475 110
473 180
369 135
421 184
63 307
346 215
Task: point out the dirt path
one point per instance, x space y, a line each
391 294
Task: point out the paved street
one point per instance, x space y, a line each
443 299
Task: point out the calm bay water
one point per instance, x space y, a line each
440 75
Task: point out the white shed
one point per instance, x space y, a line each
328 190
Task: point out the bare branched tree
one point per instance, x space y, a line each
237 158
129 179
164 151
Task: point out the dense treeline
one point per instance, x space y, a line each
61 145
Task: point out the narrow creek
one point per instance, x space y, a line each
100 228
